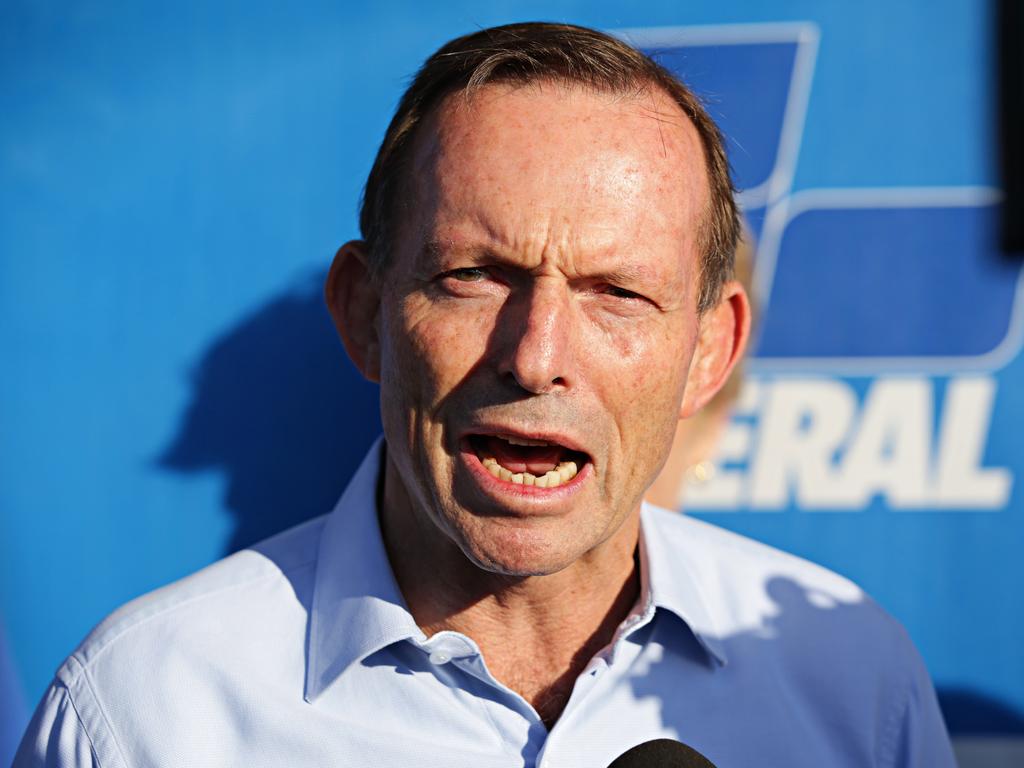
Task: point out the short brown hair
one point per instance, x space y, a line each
534 52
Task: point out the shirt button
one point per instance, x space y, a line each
439 657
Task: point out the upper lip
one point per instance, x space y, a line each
499 430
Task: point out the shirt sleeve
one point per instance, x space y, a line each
56 737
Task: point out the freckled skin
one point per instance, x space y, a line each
560 200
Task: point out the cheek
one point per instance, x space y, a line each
642 375
435 349
645 365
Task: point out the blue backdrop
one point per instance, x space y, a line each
175 179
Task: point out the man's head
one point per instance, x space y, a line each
534 293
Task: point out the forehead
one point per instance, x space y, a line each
570 161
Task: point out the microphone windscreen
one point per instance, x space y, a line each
661 753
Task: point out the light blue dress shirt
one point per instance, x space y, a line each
301 652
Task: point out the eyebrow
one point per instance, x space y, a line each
628 273
436 249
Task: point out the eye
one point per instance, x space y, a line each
467 274
621 293
468 282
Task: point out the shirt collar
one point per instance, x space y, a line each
673 581
358 608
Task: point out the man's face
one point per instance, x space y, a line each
538 317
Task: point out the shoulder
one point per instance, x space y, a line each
272 577
777 617
725 557
155 670
804 638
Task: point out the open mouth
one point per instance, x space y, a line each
525 461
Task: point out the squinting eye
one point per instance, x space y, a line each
467 274
621 293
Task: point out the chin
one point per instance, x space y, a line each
518 553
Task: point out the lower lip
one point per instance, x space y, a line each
497 486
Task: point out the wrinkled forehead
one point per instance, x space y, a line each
562 149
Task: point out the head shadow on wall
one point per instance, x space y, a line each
279 409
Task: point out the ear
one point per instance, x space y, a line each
722 339
353 300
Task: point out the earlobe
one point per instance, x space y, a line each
353 300
722 339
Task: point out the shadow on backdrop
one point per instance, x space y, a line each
279 409
973 713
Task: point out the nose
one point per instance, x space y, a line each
538 339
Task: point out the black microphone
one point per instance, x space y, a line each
661 753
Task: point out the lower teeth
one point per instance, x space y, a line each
563 473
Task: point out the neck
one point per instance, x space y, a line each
537 633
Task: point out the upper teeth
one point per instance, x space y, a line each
523 440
